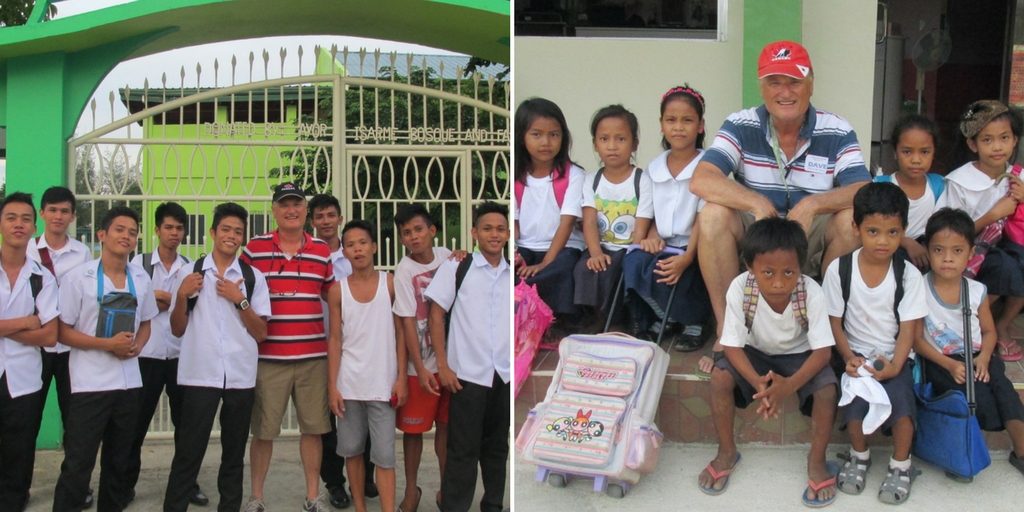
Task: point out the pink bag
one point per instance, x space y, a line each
1014 229
532 319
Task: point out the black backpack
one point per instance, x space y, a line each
636 180
460 276
247 274
846 273
35 282
147 262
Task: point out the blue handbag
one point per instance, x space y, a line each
947 433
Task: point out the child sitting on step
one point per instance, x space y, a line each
777 342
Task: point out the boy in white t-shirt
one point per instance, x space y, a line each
777 342
428 401
368 369
27 322
474 363
874 316
106 306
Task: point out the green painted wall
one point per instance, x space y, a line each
764 22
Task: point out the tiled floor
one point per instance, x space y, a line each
684 413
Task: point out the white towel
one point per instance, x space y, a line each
872 392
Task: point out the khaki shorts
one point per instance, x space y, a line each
815 241
305 382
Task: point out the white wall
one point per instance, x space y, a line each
582 75
840 36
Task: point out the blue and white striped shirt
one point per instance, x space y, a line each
829 156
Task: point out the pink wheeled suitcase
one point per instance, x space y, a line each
597 418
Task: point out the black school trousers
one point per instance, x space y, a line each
106 417
17 445
478 430
191 437
157 375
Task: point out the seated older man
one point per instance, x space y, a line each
790 160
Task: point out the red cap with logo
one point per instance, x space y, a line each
784 58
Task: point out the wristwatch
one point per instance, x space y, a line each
244 305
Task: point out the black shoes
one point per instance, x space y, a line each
370 489
89 500
198 498
338 497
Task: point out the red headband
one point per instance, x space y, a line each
684 90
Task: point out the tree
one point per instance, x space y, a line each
16 12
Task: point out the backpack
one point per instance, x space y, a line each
35 282
460 276
558 185
45 258
636 180
751 295
147 262
846 273
935 181
247 274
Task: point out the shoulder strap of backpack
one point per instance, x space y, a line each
250 279
461 271
196 268
35 282
883 178
636 182
44 257
751 294
899 265
597 178
147 263
845 274
520 187
560 184
798 301
937 183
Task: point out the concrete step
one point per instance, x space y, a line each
684 412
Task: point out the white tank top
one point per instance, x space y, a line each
369 364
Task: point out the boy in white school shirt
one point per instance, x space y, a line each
58 252
106 306
158 361
476 366
219 333
27 321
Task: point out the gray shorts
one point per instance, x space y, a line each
783 364
375 417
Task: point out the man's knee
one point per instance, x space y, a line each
715 218
840 227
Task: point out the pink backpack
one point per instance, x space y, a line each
558 185
1014 228
532 319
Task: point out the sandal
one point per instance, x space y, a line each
816 487
1017 462
1009 350
853 477
896 487
718 475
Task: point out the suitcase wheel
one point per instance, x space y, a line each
615 491
556 480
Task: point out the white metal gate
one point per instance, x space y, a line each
409 132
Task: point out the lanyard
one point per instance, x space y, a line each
779 162
99 282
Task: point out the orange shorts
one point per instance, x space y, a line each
422 409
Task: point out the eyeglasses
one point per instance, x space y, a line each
280 271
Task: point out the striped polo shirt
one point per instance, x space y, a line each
829 156
296 326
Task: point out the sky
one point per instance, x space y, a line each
134 72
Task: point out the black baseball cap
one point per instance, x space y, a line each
288 189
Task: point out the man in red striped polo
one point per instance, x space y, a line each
293 359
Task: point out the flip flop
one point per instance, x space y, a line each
1009 350
718 475
419 494
1017 462
833 469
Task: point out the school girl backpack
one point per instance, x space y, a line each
597 419
559 184
935 181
